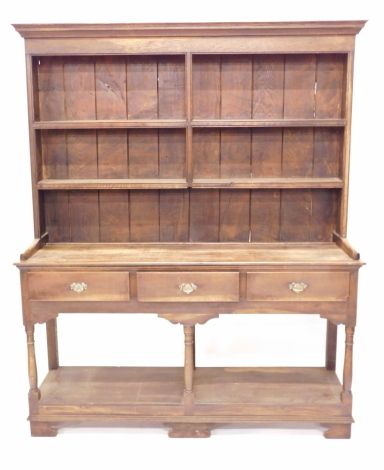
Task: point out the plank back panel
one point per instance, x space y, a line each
206 83
327 152
142 87
144 216
84 216
268 86
171 87
324 211
111 87
235 153
236 87
57 223
112 154
174 215
114 216
82 154
299 86
267 147
206 153
51 90
194 215
79 82
265 215
143 149
234 215
330 80
297 152
296 212
172 153
204 215
54 154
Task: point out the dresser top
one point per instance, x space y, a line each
193 254
292 28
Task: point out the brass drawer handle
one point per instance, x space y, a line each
298 287
78 287
188 288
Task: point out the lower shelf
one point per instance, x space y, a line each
221 395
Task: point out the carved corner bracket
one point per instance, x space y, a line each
337 319
43 317
188 319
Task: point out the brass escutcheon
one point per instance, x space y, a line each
298 287
78 287
188 288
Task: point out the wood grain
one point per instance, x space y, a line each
54 154
82 154
171 87
56 207
236 87
265 215
114 216
111 87
112 154
84 216
206 82
235 153
267 148
295 218
204 215
299 86
330 76
234 215
174 216
142 87
79 82
51 90
144 216
268 86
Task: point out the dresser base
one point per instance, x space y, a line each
108 396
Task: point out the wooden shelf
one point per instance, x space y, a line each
269 122
79 184
273 183
110 124
252 392
245 183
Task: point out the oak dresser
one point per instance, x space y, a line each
192 170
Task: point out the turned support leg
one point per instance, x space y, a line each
343 431
52 346
188 359
34 393
331 346
346 395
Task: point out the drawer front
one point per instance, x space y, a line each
187 287
79 286
298 286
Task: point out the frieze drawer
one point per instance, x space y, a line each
79 286
188 286
298 286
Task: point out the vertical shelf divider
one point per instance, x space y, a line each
188 103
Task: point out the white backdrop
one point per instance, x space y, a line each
241 340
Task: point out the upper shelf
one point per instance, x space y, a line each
179 183
180 123
110 124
